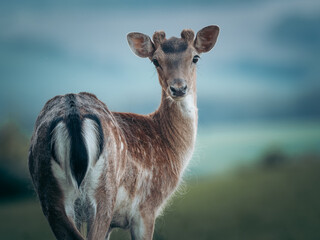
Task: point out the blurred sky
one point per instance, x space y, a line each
265 65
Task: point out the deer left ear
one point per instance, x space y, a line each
140 44
206 38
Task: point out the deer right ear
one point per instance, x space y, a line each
206 38
141 44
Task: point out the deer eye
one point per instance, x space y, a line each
155 62
195 59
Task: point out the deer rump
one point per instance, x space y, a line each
67 175
76 141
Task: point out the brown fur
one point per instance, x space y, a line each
145 155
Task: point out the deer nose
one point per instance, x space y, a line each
178 88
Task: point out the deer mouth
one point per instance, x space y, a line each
177 98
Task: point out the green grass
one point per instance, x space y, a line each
282 202
23 220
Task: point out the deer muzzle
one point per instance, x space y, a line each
178 88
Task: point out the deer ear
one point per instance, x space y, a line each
140 44
206 38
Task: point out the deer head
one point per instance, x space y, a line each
175 59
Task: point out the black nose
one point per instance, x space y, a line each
177 91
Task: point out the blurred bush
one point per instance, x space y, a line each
273 158
14 178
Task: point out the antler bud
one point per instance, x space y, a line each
188 35
158 38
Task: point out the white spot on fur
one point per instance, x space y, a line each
62 146
138 227
122 195
188 106
90 135
122 209
91 182
70 192
144 181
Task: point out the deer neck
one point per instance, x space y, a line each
178 123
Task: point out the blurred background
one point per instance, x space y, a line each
255 171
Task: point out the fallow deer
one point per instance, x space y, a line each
95 170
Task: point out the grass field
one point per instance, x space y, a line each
276 203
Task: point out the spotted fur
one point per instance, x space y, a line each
95 170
